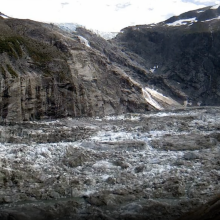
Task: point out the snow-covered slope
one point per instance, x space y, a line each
201 15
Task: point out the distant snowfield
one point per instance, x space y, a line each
71 27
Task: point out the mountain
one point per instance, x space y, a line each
78 139
61 70
181 54
46 72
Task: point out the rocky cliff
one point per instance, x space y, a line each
48 73
151 165
182 53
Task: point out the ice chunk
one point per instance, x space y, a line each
103 164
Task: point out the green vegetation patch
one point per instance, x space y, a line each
44 56
3 72
11 45
11 71
38 51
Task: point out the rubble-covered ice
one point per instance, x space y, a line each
158 155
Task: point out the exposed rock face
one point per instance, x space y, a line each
46 73
49 73
182 54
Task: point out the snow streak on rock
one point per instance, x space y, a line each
150 100
183 22
84 41
162 98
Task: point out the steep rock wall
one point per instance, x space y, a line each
182 57
45 73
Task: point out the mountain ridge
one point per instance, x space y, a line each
177 59
183 57
96 129
47 73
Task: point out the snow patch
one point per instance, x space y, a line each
69 27
105 177
215 7
104 165
106 35
129 117
150 95
212 19
161 97
153 69
84 41
182 22
150 100
4 16
112 136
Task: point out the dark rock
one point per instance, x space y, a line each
139 169
191 156
111 180
210 210
184 58
121 163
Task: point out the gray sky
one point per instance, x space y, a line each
102 15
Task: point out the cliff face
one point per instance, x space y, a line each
182 54
47 73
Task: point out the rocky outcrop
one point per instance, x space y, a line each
181 53
48 73
151 165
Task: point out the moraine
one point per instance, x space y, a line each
112 167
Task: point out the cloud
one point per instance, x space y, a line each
207 2
64 4
123 5
104 15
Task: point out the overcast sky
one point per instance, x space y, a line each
103 15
